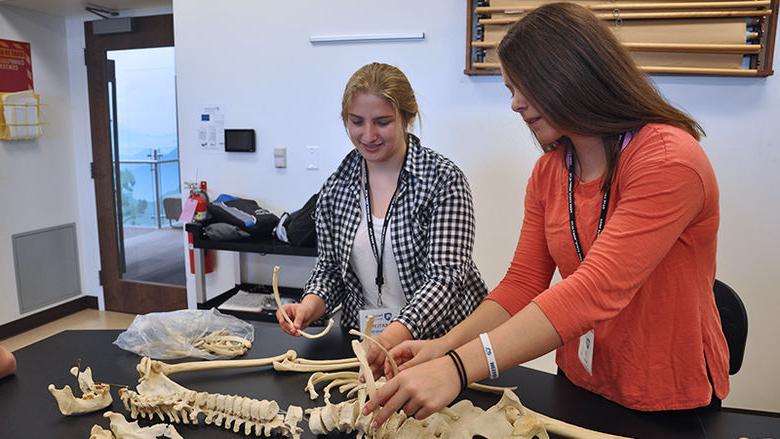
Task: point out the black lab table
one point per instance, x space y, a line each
27 410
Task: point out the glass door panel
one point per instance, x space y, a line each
142 113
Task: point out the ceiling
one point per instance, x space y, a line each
76 7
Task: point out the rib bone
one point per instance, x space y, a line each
368 337
275 286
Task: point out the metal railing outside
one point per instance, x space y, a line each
155 163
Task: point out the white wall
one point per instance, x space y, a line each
255 62
38 176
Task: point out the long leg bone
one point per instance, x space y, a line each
569 430
490 389
170 369
294 366
95 396
275 286
325 362
287 362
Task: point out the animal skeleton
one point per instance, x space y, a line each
121 429
275 285
224 344
159 395
507 419
95 396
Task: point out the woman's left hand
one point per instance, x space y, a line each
420 391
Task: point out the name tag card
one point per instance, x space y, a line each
586 351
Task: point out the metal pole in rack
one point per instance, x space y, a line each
200 275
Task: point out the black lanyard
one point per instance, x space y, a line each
604 200
379 253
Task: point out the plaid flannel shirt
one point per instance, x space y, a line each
432 229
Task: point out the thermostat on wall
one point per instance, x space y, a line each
240 140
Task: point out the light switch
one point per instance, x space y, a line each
280 157
312 157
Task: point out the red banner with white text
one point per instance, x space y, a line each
15 66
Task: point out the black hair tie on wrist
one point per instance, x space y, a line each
460 368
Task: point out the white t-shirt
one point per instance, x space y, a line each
364 264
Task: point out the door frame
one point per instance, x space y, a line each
121 294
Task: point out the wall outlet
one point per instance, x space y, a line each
312 157
280 157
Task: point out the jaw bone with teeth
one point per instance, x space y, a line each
159 395
95 396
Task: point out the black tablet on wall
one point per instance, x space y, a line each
240 140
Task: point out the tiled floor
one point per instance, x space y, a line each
86 319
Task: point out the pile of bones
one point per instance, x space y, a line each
158 395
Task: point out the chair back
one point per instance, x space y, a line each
734 322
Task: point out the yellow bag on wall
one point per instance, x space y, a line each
20 115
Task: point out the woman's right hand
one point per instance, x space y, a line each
413 352
302 314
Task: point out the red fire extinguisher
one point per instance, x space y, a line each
202 198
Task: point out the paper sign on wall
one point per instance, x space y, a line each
211 133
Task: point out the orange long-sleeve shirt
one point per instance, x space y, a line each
645 285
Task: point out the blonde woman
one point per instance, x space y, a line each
395 225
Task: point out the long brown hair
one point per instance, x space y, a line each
577 74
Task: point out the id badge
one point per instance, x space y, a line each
382 318
585 352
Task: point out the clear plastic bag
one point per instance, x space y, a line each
167 335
